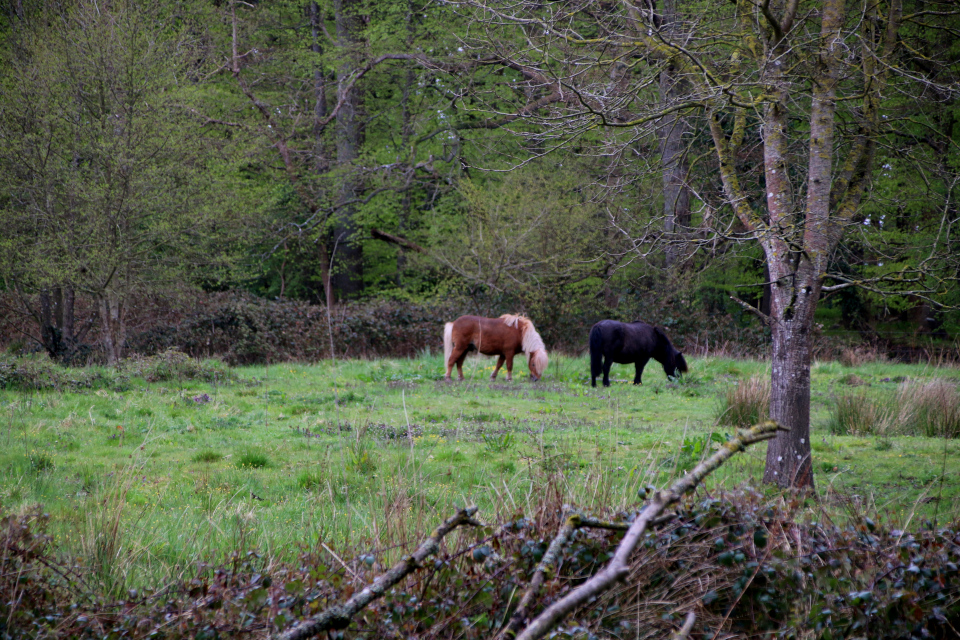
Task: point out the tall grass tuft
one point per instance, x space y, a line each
930 408
920 408
857 414
745 404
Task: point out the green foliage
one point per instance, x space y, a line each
207 456
361 455
252 459
104 181
694 449
498 442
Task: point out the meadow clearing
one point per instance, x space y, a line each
145 479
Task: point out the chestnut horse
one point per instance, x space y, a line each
504 336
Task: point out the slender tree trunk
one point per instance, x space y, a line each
49 335
676 195
406 131
68 321
321 163
112 327
348 276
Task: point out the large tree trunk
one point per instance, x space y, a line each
788 456
348 275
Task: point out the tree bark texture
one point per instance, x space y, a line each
348 272
676 195
112 327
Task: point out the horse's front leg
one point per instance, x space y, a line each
496 370
509 356
640 365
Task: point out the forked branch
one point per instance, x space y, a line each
619 566
339 616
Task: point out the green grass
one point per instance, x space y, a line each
147 481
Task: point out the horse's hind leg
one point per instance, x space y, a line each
457 356
496 370
607 363
460 361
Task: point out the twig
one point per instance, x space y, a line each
570 524
619 567
686 628
339 616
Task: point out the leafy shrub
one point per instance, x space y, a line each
176 365
37 372
745 404
244 329
207 456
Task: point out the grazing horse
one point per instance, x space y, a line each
626 342
504 336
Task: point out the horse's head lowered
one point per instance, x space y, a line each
674 364
532 345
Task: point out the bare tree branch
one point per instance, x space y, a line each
403 242
619 566
339 616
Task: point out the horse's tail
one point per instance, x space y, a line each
447 343
596 352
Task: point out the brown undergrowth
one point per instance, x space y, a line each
746 564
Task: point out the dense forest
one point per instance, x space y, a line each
439 153
193 175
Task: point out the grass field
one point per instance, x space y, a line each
145 481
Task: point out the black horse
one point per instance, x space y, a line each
626 342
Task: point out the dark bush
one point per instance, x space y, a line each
249 330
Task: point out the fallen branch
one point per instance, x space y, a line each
339 616
619 566
550 559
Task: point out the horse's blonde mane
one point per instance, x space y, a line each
511 320
530 342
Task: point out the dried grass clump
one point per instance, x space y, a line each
745 404
857 356
858 414
929 408
920 408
